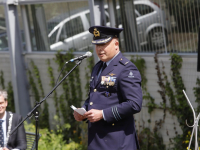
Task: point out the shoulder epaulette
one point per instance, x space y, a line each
124 61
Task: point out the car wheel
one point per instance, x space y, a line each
157 39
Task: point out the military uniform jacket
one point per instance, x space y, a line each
118 93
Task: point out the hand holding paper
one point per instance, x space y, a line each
81 111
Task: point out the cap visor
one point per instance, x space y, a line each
101 41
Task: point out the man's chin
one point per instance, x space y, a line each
103 59
1 112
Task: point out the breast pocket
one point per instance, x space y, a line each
108 90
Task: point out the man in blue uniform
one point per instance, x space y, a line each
115 95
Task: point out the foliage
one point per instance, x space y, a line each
169 93
11 102
197 94
150 140
161 85
44 113
53 140
52 84
68 135
176 98
72 95
177 104
2 80
182 105
151 102
147 139
33 87
140 64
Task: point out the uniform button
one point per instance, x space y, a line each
91 103
113 124
95 90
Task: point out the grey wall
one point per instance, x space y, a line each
188 72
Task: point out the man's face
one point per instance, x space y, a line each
108 50
3 105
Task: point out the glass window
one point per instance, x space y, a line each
51 25
107 16
71 28
119 18
2 24
52 37
3 42
143 9
88 18
107 19
54 22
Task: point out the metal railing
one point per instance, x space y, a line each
164 26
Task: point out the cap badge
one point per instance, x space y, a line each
96 32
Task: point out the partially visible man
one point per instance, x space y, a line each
115 95
8 121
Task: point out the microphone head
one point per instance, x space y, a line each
88 54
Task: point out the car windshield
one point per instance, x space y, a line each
143 9
52 38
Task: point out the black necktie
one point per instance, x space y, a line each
101 69
1 134
104 66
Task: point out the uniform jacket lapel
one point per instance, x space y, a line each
110 67
96 70
7 121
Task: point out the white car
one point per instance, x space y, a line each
72 32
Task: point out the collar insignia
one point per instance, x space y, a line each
112 74
96 32
126 62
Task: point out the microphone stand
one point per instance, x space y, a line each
35 112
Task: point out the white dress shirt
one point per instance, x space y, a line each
4 127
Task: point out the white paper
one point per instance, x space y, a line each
81 111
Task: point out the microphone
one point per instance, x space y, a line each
87 54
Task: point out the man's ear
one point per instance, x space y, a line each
116 42
116 45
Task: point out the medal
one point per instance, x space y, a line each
107 94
